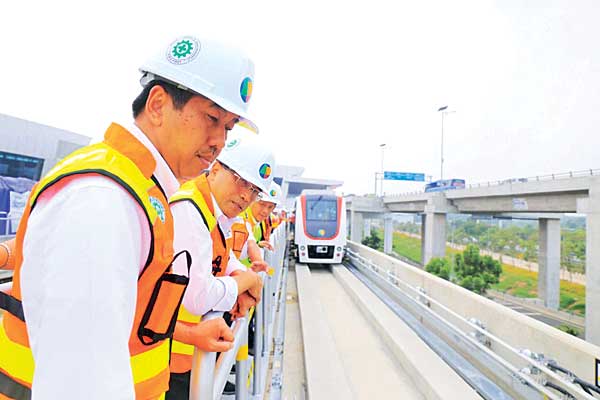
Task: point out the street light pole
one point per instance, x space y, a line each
444 111
382 146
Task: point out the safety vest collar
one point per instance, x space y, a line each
197 192
127 144
249 217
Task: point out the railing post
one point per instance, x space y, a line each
241 371
258 345
202 377
265 325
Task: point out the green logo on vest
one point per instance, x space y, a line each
158 206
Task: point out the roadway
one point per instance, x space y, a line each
521 308
537 315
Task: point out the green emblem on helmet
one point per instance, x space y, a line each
232 143
183 50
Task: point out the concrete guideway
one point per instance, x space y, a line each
325 374
355 347
373 370
428 372
524 350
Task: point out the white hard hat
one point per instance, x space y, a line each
249 156
273 195
219 72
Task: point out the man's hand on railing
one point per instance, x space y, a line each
263 244
212 336
255 291
7 252
259 266
243 304
248 281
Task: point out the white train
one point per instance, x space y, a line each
320 227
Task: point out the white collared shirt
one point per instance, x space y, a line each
86 242
204 292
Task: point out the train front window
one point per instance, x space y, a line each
321 216
321 210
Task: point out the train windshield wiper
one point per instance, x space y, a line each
315 203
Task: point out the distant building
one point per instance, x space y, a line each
29 150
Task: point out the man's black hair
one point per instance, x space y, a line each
179 96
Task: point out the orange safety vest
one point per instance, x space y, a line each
275 221
128 162
248 217
239 236
197 192
266 229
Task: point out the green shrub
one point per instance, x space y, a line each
569 329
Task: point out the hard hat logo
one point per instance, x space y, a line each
273 193
183 50
264 171
246 89
232 144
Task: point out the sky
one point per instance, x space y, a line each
335 79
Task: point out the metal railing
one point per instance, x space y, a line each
529 367
536 178
209 374
9 224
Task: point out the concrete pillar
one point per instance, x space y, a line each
356 227
348 223
591 207
423 222
388 234
434 239
549 262
367 229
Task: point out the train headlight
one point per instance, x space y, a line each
302 248
339 248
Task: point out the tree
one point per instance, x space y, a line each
474 272
439 267
373 241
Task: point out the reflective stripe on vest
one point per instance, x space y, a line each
122 158
188 318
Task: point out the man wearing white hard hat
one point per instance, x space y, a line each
94 297
254 216
205 210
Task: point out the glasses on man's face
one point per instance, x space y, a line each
253 190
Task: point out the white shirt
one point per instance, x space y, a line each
86 242
204 292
